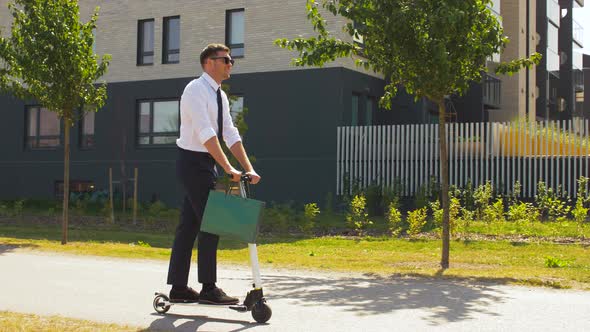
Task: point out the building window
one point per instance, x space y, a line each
234 31
43 129
158 122
171 40
87 130
237 106
77 187
145 42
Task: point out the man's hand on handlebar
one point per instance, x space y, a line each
234 174
254 177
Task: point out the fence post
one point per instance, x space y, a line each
135 197
111 194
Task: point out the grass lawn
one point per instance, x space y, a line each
11 321
498 261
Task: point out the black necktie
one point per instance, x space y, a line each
219 116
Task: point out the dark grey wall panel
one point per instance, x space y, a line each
293 116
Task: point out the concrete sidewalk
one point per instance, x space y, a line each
121 291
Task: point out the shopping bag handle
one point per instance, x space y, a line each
245 180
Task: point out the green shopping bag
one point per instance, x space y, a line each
232 216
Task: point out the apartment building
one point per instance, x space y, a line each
552 90
155 45
560 76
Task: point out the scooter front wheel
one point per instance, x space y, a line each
261 312
160 304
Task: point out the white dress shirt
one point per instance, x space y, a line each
198 115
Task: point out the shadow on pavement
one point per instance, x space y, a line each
6 248
166 323
446 301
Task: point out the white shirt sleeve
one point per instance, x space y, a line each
231 135
196 104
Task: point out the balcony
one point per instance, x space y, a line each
492 91
578 34
578 78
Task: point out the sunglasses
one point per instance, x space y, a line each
226 59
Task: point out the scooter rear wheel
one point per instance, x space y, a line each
160 304
261 312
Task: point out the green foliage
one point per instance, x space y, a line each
437 213
522 212
416 221
422 196
105 211
391 195
558 209
394 219
311 211
482 197
143 244
277 218
467 217
4 210
583 190
357 217
18 208
454 209
580 211
514 197
554 262
515 65
550 203
80 205
374 197
48 57
468 196
432 48
495 212
156 209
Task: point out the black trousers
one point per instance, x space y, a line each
196 173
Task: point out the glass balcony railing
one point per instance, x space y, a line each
577 60
552 60
492 91
553 11
578 34
578 78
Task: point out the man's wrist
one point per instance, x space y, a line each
227 168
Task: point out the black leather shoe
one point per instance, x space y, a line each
216 296
187 295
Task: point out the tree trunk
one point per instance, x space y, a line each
444 169
66 199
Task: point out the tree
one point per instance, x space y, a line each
433 48
49 58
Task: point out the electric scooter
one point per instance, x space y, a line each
254 302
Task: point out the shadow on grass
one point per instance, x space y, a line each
518 244
166 323
154 239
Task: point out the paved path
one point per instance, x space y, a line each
121 291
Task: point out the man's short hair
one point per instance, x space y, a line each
210 50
